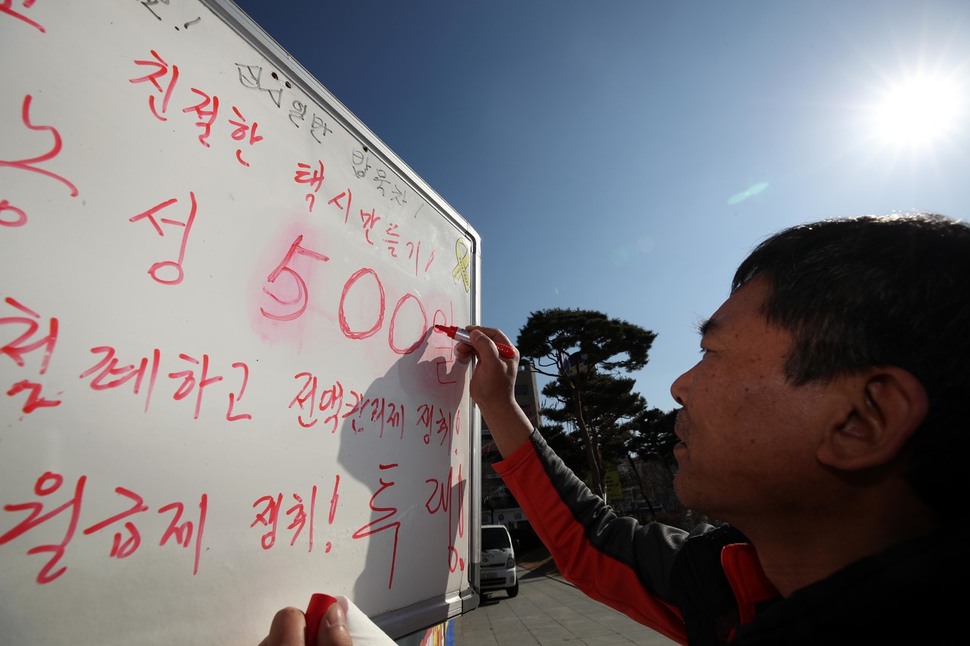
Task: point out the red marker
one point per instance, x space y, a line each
461 334
319 603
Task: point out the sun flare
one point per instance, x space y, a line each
920 111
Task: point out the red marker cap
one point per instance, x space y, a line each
319 604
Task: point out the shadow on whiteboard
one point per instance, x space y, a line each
407 446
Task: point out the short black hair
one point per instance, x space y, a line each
881 291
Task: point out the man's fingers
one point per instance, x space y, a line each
465 351
288 629
333 628
495 334
484 339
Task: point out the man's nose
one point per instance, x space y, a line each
680 387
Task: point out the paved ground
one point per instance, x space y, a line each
550 611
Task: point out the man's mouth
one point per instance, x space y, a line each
680 427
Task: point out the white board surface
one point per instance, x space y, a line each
220 391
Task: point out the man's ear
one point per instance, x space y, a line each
887 404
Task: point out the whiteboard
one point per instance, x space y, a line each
220 391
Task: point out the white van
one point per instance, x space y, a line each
498 560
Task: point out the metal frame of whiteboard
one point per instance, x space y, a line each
429 612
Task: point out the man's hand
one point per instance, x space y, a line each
493 381
289 629
493 388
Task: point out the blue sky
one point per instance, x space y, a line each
624 156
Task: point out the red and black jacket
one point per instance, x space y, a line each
694 587
707 586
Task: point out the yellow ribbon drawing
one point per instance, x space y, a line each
461 269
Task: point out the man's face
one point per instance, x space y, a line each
748 437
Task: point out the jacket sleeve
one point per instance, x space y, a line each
612 559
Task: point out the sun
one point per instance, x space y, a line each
920 111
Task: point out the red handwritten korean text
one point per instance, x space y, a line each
5 7
108 374
164 78
13 216
445 347
161 70
327 399
299 513
334 500
384 522
125 544
336 405
194 378
192 381
126 538
438 423
387 234
182 531
47 484
338 201
157 269
380 413
234 398
207 110
442 500
369 220
31 339
243 132
123 547
311 176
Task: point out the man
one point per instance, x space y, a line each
825 424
